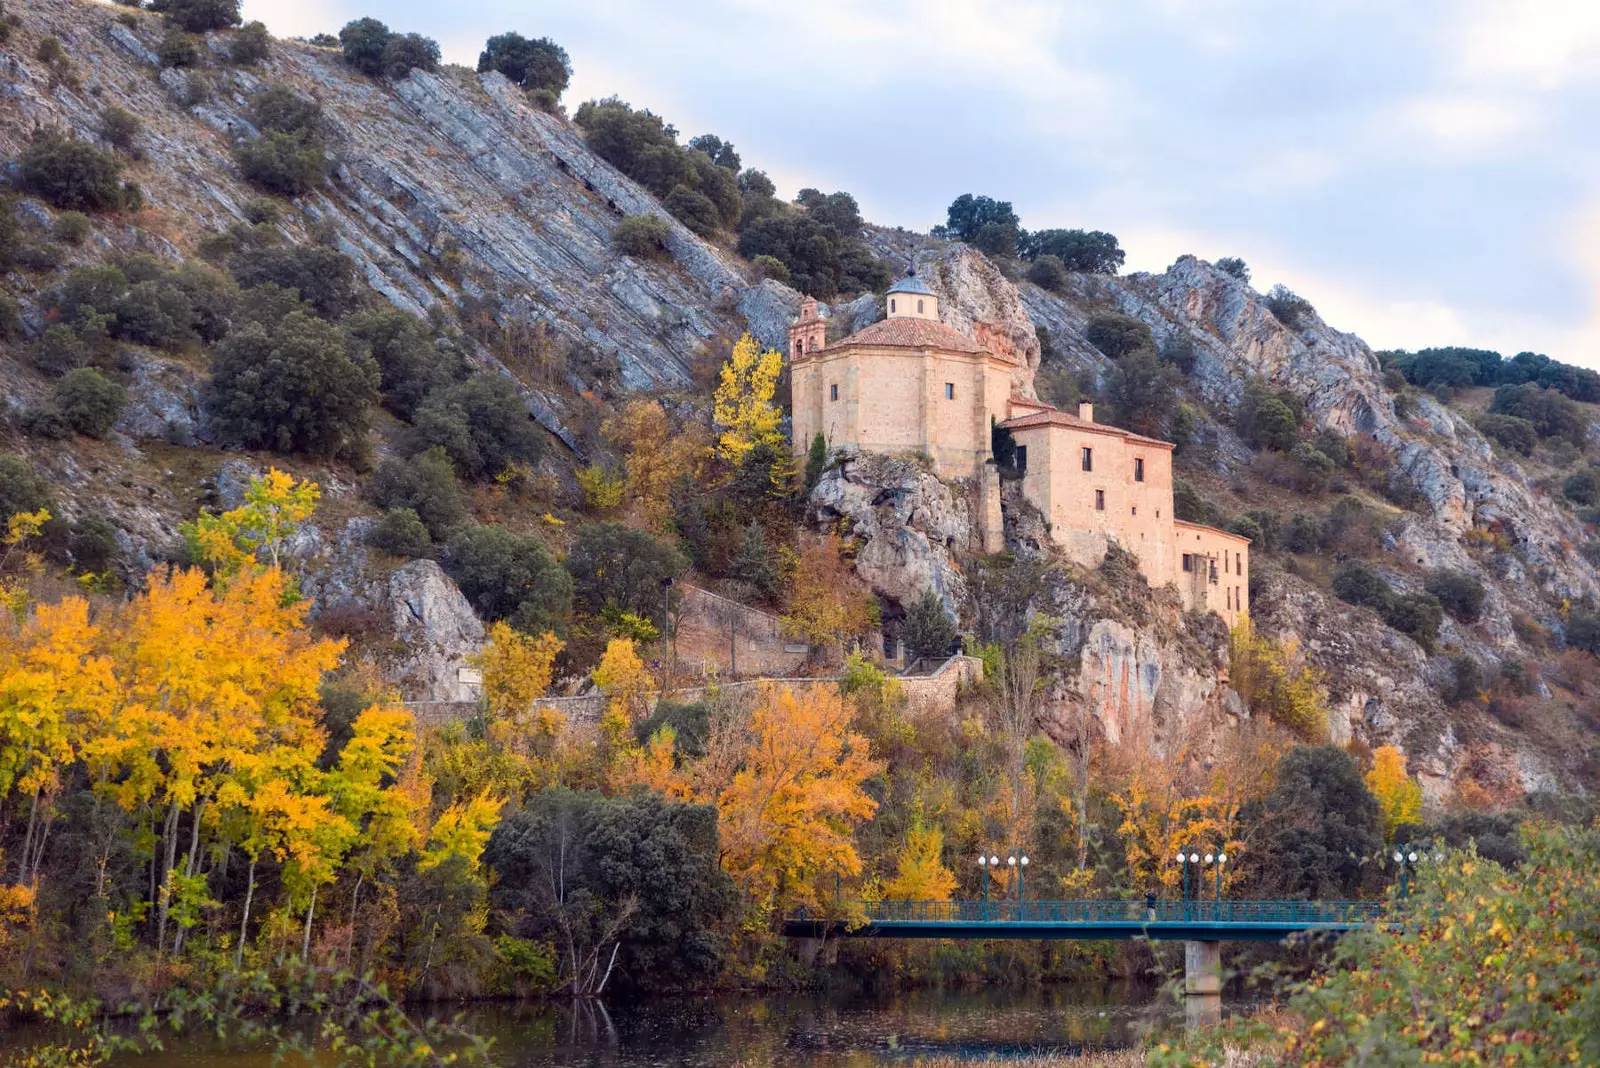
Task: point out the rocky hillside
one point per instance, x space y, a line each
459 201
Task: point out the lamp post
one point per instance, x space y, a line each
666 630
1407 857
1019 862
1222 858
987 863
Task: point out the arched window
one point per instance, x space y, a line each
799 347
891 305
919 307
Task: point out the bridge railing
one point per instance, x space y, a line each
1131 911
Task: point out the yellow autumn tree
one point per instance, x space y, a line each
516 668
657 455
622 677
653 766
920 874
744 412
1399 796
274 507
1274 678
790 812
1162 812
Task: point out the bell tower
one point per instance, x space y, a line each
809 333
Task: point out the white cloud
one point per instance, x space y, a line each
1462 123
1545 43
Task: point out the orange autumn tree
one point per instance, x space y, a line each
1399 796
657 455
516 667
789 814
827 602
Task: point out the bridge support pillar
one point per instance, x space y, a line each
1202 969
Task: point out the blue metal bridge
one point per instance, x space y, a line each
1191 920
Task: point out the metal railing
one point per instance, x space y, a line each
1137 911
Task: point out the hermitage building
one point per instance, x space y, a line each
911 385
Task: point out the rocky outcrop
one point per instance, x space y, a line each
436 624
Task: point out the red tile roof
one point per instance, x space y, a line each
1052 417
905 332
1211 530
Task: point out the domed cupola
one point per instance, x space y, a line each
910 298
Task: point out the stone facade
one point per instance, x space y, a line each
913 386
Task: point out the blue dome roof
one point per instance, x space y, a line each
912 284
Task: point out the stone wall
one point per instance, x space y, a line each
717 636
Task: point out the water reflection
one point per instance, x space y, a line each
825 1031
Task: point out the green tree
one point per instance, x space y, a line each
1116 335
252 44
642 236
409 365
482 425
1458 592
88 402
1048 272
816 461
71 174
752 564
509 576
405 52
325 278
1085 251
1583 487
618 568
1318 828
300 388
1287 307
968 215
718 151
532 64
592 873
928 630
400 532
179 49
1360 584
1552 415
363 42
200 16
1233 265
1144 392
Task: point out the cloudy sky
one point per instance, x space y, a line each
1426 172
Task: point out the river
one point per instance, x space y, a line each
801 1031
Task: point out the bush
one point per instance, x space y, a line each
49 51
1288 308
10 318
406 52
400 533
300 388
1583 628
280 108
363 42
1313 468
1509 431
20 489
426 486
545 100
1117 335
695 210
510 576
1143 392
1048 272
200 16
251 45
1458 592
1188 506
120 128
1085 251
1246 527
71 227
773 268
323 277
643 237
263 211
45 421
482 424
88 403
409 366
1304 533
1583 487
71 174
1466 681
1360 584
290 165
59 351
1233 265
179 49
152 313
1417 616
534 65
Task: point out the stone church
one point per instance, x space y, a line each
912 385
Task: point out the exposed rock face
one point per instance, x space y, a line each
909 525
435 621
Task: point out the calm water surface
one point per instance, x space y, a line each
813 1031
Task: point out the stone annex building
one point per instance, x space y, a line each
911 385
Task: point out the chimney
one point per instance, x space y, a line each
1086 411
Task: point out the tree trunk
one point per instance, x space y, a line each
170 837
244 924
355 903
191 863
305 940
27 841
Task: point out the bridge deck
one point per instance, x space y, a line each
1206 921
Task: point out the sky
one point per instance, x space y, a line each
1426 172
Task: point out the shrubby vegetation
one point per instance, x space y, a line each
73 175
1454 368
509 576
199 16
993 227
642 236
372 48
481 424
290 156
816 240
424 485
1416 615
535 65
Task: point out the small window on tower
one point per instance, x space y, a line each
891 305
949 391
1022 457
1099 500
1138 468
919 307
1088 459
833 391
799 347
1188 562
